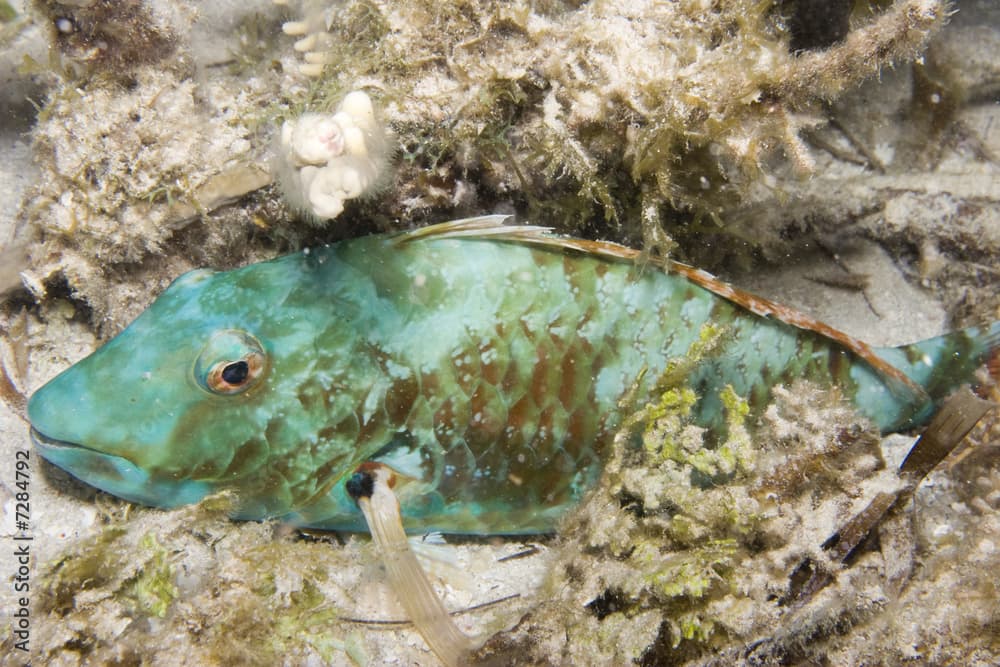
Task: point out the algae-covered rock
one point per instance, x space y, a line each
703 574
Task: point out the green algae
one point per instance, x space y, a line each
7 13
152 589
666 422
690 574
90 566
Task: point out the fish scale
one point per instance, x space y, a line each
535 441
485 363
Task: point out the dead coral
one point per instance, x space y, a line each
123 171
111 36
924 186
692 102
651 572
194 587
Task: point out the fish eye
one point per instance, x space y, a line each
232 377
236 373
231 362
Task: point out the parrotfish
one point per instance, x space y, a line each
485 363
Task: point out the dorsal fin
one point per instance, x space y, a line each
495 227
491 227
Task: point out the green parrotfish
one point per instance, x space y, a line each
485 363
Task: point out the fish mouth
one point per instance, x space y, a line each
118 475
44 444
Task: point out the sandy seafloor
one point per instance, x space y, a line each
899 304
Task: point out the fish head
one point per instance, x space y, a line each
178 405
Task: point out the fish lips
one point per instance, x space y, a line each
117 475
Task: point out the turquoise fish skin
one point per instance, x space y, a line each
487 371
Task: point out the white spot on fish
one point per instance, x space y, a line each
609 385
396 370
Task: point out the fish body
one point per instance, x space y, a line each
485 363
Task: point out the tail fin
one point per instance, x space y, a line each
941 364
993 357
